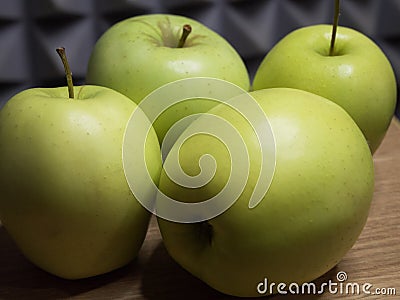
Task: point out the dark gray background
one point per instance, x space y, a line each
30 30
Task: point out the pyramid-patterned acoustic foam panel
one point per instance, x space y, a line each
30 30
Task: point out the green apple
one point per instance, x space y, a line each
311 215
357 76
63 195
140 54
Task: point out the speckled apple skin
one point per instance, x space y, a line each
313 213
138 55
358 77
63 195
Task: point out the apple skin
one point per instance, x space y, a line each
313 213
359 77
63 195
138 55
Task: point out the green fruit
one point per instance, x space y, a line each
358 76
311 215
63 195
140 54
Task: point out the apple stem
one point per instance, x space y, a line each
68 73
335 26
187 29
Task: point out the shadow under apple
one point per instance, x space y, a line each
20 279
164 279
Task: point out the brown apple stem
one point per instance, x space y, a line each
186 30
335 26
68 74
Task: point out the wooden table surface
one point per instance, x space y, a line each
374 259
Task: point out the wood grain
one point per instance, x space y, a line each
374 259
